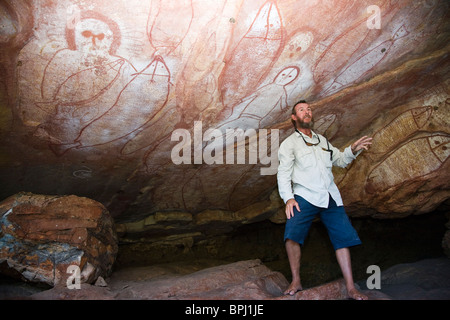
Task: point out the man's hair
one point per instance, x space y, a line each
293 110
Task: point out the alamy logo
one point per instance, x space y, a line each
209 147
73 281
73 16
374 21
374 281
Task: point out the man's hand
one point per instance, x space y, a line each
290 204
362 143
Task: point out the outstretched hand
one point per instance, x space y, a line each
362 143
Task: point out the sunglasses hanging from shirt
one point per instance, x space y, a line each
309 144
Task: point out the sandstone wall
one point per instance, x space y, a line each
95 96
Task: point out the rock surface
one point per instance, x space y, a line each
422 280
117 104
43 236
250 280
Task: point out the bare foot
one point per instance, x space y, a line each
293 288
356 295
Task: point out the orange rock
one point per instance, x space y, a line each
43 235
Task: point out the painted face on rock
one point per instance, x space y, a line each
287 75
93 35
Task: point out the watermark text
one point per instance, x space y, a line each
374 21
73 281
373 281
218 147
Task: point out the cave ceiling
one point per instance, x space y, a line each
136 103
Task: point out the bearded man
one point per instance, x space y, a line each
306 185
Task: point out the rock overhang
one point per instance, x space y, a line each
96 122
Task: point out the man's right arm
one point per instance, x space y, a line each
284 177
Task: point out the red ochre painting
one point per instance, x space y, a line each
110 81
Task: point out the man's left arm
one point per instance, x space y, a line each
342 159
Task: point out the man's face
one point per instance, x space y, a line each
303 116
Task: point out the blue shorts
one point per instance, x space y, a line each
340 230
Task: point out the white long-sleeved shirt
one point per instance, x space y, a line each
306 170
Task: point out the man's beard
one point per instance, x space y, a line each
305 125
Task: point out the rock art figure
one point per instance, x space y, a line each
163 33
297 45
415 159
365 63
399 129
90 94
154 80
266 103
348 41
351 41
253 56
260 109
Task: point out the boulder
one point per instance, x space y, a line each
242 280
426 279
57 240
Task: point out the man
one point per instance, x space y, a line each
306 185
